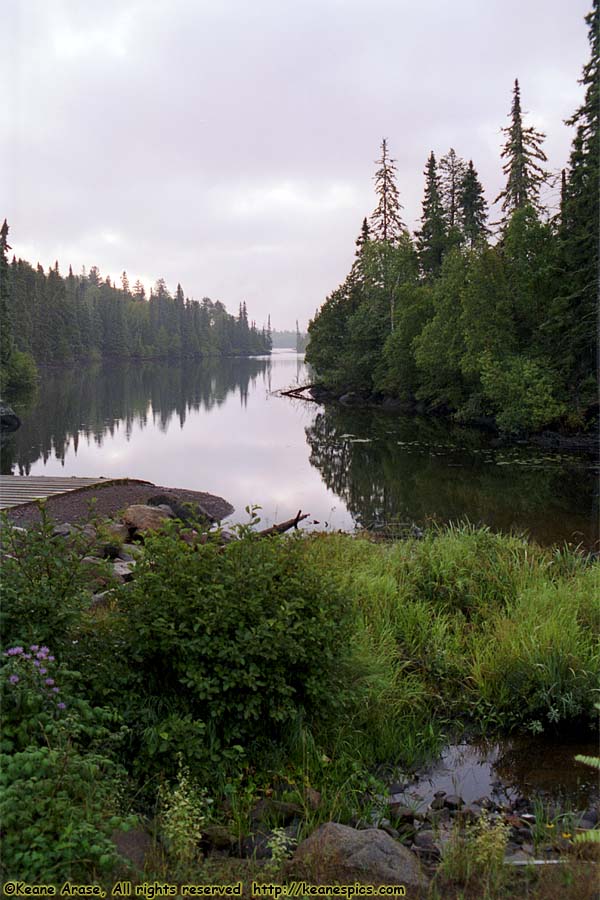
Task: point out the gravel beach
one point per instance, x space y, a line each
109 499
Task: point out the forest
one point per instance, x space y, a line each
46 318
485 321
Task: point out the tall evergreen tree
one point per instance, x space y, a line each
472 207
6 337
452 172
387 224
580 215
432 237
523 154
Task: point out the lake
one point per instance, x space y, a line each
220 426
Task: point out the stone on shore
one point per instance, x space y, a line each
338 853
140 517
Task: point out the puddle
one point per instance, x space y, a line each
520 767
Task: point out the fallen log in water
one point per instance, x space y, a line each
284 526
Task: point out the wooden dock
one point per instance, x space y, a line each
16 490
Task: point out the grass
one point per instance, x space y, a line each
464 629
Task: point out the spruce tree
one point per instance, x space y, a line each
452 172
387 224
472 207
432 238
580 214
6 338
523 154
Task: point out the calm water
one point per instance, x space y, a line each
220 427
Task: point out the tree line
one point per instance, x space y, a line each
452 320
46 318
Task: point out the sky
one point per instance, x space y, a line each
230 145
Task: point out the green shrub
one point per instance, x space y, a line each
57 809
242 638
44 586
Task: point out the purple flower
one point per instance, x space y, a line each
36 662
55 691
34 647
61 705
14 651
43 652
43 671
14 679
49 682
50 659
27 656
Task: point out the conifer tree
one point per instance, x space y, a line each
580 214
452 172
6 338
387 224
472 207
523 154
432 238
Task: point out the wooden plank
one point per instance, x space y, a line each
17 490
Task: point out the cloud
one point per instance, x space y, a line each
226 144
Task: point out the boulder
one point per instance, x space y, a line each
189 513
337 853
9 420
144 518
123 569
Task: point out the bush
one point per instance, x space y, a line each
57 811
241 638
44 586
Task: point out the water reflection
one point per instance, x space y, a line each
95 401
220 427
389 468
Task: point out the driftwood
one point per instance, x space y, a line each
298 393
284 526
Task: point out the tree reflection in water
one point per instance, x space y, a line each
389 468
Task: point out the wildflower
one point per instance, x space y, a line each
27 656
61 705
43 652
549 825
14 679
43 671
14 651
34 648
51 659
37 663
567 834
55 690
49 682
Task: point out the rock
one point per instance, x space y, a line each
64 530
519 856
397 787
256 845
470 813
123 569
453 801
9 420
438 801
403 814
102 600
193 513
337 853
115 532
136 846
145 518
129 551
424 840
275 811
352 398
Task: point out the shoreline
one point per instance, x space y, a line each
74 506
586 442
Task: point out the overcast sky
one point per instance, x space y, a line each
230 144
